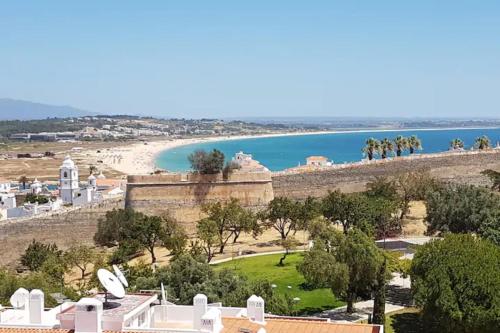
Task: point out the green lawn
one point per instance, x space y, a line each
265 267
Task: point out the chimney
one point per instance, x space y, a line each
199 309
88 316
36 306
211 321
255 309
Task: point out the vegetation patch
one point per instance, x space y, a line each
267 268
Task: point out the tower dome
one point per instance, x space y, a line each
68 162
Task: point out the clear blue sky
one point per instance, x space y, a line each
255 58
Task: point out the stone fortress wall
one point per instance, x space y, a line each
65 228
182 195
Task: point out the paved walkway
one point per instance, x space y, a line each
398 297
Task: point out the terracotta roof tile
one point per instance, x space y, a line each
234 325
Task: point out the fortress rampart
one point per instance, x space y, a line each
182 195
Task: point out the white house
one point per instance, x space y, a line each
143 313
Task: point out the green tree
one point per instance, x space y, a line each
207 163
464 209
456 281
55 268
386 147
35 198
494 177
231 219
456 144
372 148
116 226
23 180
414 143
413 186
80 256
347 209
383 187
37 253
288 245
307 211
379 289
174 236
206 231
149 231
401 144
348 264
281 215
482 142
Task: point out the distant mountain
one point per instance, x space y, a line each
11 109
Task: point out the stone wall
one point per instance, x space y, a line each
75 226
182 195
460 167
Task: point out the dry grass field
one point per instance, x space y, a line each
47 168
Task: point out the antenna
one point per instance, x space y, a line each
163 294
111 284
18 299
120 276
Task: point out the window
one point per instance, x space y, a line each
65 174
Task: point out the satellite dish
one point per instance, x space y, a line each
18 299
120 276
111 283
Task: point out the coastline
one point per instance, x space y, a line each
139 158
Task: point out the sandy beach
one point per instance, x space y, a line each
139 158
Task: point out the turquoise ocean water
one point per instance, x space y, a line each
278 153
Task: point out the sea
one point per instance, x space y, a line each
282 152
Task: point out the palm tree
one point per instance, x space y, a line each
92 169
23 180
371 148
482 142
414 143
386 146
401 144
456 144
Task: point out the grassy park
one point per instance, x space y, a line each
265 267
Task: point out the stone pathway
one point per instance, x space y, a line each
398 297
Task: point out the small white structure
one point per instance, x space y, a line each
141 313
4 185
318 161
88 316
246 162
36 187
7 200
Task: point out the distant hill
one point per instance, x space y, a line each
11 109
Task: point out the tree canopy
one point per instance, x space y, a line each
348 264
207 163
456 281
464 209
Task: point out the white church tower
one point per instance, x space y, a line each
68 181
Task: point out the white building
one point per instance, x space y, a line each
7 200
318 161
36 187
143 313
246 162
69 186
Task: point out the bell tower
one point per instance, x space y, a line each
68 180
